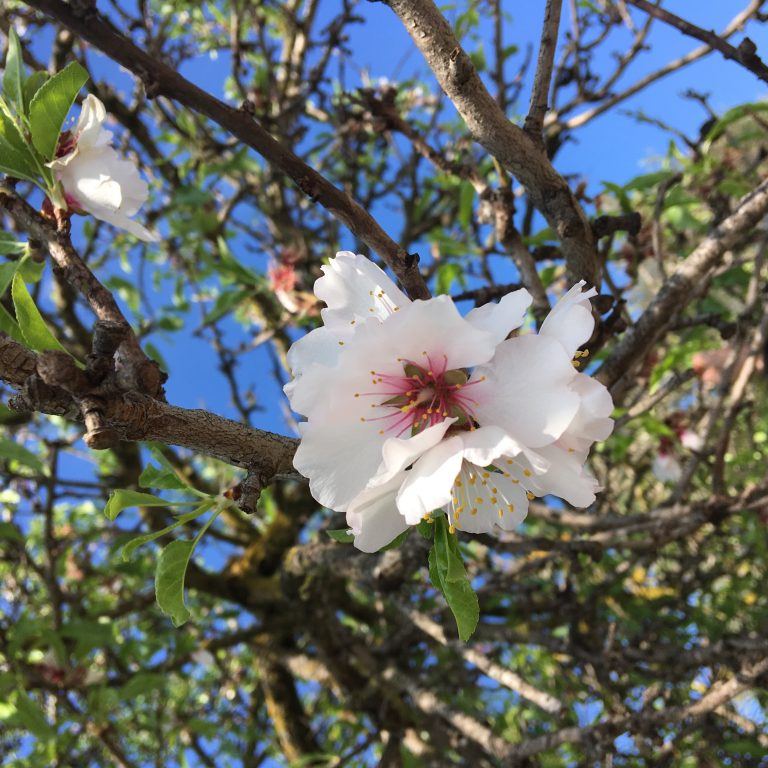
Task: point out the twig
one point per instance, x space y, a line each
534 122
745 54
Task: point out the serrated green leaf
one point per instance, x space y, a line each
32 85
447 572
342 535
15 156
50 106
36 333
169 579
123 498
13 76
9 449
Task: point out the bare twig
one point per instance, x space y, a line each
537 110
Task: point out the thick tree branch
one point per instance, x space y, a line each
509 144
161 80
136 416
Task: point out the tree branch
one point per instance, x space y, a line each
534 122
745 54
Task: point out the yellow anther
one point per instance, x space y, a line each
531 496
486 474
494 490
451 528
506 474
473 511
341 343
527 472
509 461
515 481
472 480
494 500
511 507
479 500
459 483
501 513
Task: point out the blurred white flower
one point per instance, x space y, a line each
95 178
412 408
666 468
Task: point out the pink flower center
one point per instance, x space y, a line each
423 395
67 143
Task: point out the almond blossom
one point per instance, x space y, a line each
95 178
412 408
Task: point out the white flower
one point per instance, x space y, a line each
666 468
95 178
411 407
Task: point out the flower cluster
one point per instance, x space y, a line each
95 178
412 408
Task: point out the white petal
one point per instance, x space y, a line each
320 345
339 456
526 391
428 485
502 318
567 478
400 453
571 321
483 446
97 194
352 288
486 500
374 518
89 125
592 420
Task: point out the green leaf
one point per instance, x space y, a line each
9 245
9 449
134 544
342 535
447 275
9 532
9 326
122 498
31 717
155 477
33 84
33 328
448 575
13 77
466 200
15 156
169 579
50 106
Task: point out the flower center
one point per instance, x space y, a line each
67 143
423 395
